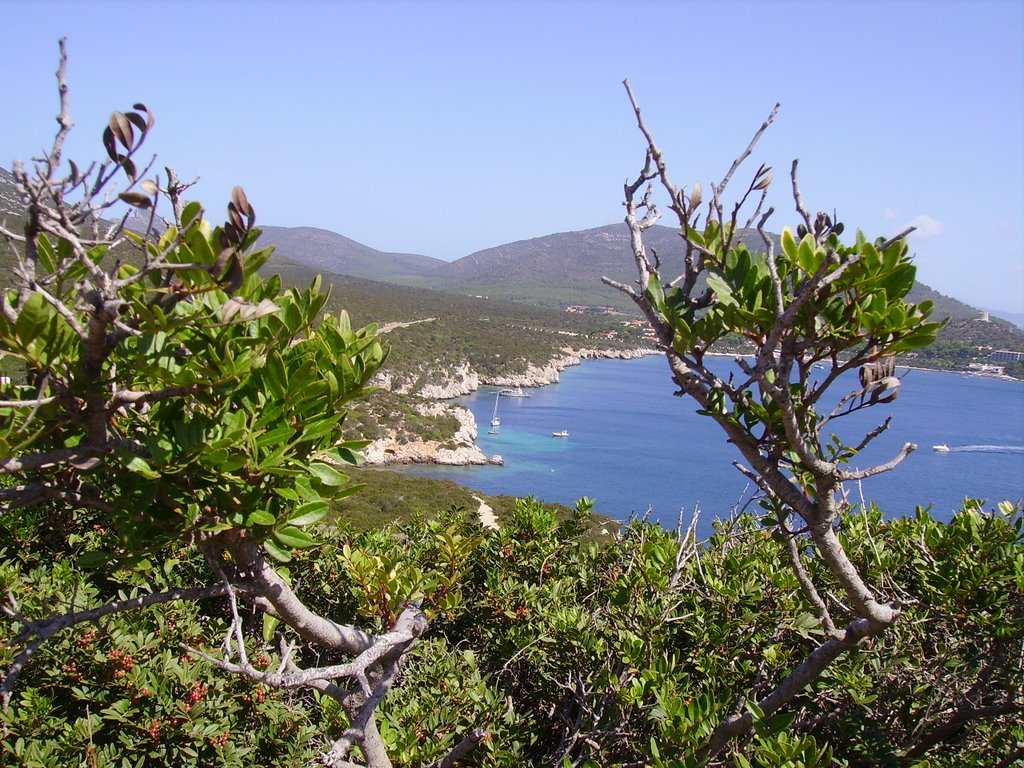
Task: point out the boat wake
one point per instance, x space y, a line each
986 449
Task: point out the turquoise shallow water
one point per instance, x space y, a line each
635 447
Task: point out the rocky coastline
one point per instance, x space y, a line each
461 448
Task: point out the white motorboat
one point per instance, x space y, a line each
517 392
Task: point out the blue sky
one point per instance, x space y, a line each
446 128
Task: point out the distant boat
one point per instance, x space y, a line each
517 392
560 433
495 421
941 448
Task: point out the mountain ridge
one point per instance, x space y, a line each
331 252
559 269
553 270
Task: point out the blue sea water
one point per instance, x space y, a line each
634 447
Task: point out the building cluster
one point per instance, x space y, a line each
1005 356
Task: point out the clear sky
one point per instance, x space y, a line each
443 128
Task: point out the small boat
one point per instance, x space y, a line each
560 433
517 392
941 448
495 421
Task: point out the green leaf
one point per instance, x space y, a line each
47 256
275 436
32 318
257 259
346 492
655 293
898 284
294 538
808 256
789 243
260 517
140 466
320 428
276 374
269 626
94 559
347 453
308 514
217 527
282 555
327 474
722 289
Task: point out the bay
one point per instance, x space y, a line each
636 448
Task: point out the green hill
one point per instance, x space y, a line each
536 278
327 251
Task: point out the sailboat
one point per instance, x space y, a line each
495 421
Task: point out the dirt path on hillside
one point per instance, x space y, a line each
387 327
487 518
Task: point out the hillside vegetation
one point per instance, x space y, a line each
565 269
432 332
500 310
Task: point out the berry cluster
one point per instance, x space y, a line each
86 639
71 670
219 742
196 694
259 695
123 662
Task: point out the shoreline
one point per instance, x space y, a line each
972 374
386 452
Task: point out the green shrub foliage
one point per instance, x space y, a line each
566 649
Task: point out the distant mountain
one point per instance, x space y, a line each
564 268
554 270
326 251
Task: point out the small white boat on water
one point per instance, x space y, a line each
495 421
560 433
941 448
517 392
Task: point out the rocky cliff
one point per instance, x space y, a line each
448 383
460 449
444 384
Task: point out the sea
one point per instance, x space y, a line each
638 449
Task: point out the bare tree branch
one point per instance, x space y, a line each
810 592
804 674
